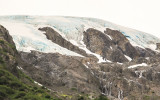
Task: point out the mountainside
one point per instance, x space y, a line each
14 84
85 56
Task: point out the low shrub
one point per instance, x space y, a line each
20 95
48 96
102 97
2 42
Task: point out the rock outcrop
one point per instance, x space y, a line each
123 43
62 72
111 44
145 52
55 37
7 49
158 46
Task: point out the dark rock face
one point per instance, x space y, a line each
95 39
118 56
118 81
100 43
145 52
58 39
158 46
123 43
57 71
64 73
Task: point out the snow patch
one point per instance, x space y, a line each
153 47
129 58
109 37
147 58
38 83
138 65
19 67
119 63
88 63
85 65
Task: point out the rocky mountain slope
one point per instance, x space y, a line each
86 56
14 84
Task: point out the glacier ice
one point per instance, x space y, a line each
27 37
24 30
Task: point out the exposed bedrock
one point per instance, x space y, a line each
111 44
145 52
113 48
123 43
55 37
56 71
61 73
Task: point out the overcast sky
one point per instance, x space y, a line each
143 15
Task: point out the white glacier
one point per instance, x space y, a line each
70 28
28 37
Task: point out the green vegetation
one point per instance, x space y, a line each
146 98
1 60
12 88
6 43
74 89
101 97
12 80
21 75
2 42
81 98
153 97
66 96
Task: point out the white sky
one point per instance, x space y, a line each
143 15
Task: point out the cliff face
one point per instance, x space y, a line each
102 62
